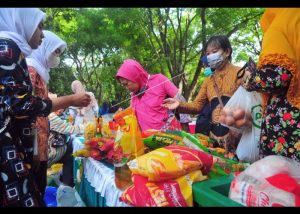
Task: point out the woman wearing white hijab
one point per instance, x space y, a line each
20 32
39 64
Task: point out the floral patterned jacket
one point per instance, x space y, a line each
281 122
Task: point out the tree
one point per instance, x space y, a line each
163 40
178 35
60 80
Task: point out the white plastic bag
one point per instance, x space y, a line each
68 197
271 181
244 108
89 116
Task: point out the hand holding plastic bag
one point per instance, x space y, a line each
236 114
243 113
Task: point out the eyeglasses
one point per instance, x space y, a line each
57 52
125 83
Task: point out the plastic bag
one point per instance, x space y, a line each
271 181
128 145
68 197
243 113
109 128
128 139
171 193
170 162
89 116
50 196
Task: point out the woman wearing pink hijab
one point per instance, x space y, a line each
147 94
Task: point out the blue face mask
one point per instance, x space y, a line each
208 72
215 60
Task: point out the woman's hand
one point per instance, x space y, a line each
246 78
81 100
76 100
170 103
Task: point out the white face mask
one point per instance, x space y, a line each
215 60
53 61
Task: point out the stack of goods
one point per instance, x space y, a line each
98 148
164 177
226 163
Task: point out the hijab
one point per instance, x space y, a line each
281 46
19 24
39 57
133 71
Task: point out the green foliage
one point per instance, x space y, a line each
163 40
60 80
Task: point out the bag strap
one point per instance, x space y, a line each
217 91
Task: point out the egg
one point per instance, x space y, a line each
249 123
239 123
229 121
227 112
239 113
249 115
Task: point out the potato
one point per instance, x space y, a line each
239 113
229 121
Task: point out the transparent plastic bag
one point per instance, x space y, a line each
68 197
243 114
89 116
236 114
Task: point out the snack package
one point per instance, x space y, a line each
170 162
162 139
90 130
128 145
98 148
170 193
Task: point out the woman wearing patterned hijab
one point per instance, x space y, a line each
277 78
